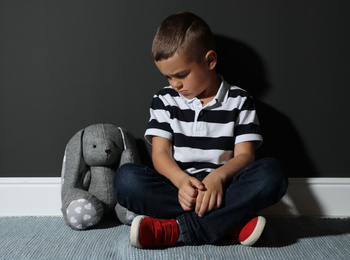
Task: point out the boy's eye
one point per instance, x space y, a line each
182 76
177 76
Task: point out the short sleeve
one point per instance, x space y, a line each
159 122
247 125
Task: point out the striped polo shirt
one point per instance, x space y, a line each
203 138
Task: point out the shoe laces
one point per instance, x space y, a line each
166 232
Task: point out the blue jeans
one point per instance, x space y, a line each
144 191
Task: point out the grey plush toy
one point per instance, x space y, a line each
91 159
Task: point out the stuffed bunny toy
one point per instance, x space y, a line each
91 159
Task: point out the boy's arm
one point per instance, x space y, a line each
162 156
211 198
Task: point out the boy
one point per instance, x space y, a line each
203 133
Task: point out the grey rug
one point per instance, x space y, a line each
284 238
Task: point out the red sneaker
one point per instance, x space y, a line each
147 232
249 232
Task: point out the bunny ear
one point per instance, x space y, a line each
74 166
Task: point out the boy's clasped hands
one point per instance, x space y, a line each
202 197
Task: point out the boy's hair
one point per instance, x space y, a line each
184 33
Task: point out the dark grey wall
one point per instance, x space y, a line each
67 64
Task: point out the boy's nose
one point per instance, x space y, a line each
176 84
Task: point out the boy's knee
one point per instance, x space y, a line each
278 172
125 179
275 179
270 164
271 167
124 174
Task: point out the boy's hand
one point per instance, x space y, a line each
188 191
211 198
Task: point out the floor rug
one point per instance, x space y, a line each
35 238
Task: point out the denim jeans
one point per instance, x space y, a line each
144 191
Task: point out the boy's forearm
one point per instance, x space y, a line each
163 161
233 166
165 165
244 155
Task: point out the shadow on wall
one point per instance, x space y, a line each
241 66
144 152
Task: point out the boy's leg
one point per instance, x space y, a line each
256 187
253 189
145 192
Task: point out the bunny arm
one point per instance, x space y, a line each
129 154
102 186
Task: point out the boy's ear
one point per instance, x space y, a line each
212 59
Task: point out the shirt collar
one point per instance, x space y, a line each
220 97
222 94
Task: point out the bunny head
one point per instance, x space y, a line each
102 145
97 145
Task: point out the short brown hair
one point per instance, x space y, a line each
184 33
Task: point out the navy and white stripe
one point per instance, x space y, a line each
203 138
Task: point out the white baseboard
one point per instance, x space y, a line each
323 197
30 197
326 197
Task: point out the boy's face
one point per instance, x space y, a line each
190 79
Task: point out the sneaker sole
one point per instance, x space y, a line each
256 233
134 231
